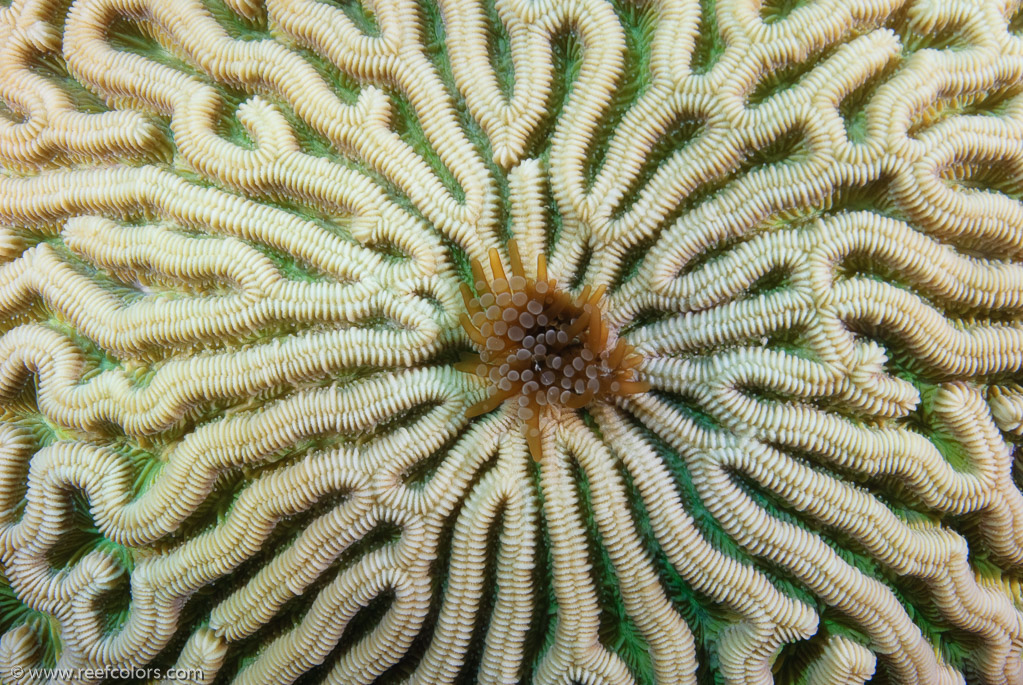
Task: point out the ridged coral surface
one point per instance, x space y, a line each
243 429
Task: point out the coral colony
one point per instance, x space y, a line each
653 342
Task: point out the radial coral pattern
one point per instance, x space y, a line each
240 432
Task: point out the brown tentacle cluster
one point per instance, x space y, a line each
539 346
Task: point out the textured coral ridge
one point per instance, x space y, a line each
234 435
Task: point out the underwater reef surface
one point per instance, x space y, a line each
512 341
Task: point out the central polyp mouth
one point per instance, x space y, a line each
541 347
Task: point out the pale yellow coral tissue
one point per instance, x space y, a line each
500 341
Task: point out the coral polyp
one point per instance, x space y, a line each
540 346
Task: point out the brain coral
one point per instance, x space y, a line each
512 341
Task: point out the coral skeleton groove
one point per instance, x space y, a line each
617 342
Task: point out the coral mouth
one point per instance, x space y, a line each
541 347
